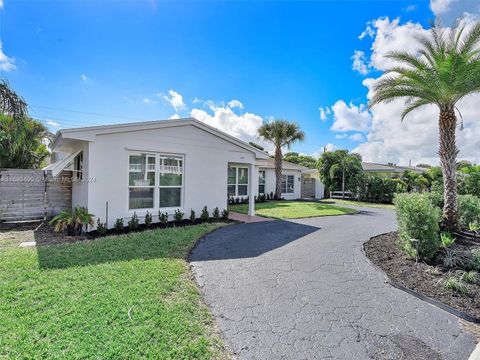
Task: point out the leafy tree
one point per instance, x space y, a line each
445 70
303 160
22 143
338 169
281 133
11 104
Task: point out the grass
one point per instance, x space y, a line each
292 209
127 296
359 203
456 285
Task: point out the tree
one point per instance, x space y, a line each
338 168
303 160
445 70
281 133
22 143
11 103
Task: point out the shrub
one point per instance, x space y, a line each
216 214
468 209
473 227
101 227
163 218
437 199
192 216
417 219
237 200
224 214
178 216
72 221
470 277
446 239
456 285
148 219
118 225
452 259
374 188
133 222
205 215
474 261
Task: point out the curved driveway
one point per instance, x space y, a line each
303 289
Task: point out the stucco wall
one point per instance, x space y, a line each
80 188
205 168
270 183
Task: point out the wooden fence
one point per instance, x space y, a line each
33 194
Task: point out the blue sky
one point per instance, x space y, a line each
121 58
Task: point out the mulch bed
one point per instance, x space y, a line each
426 279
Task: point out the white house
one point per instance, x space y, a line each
163 166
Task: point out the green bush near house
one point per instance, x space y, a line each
468 210
417 219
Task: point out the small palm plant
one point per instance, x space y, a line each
82 219
281 133
64 221
445 70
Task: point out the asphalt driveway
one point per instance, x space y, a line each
303 289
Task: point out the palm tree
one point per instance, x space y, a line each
445 70
281 133
348 164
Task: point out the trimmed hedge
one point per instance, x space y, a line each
375 188
417 219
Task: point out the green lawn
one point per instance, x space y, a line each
359 203
123 297
292 209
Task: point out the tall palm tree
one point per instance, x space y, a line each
281 133
445 70
348 164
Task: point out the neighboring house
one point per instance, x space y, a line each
390 169
163 166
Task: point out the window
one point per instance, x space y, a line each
171 181
155 176
288 184
237 184
261 182
78 166
141 181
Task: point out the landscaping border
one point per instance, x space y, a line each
437 303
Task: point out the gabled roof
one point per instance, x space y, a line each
270 164
89 133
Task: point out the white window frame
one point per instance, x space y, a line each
285 179
78 166
156 187
236 167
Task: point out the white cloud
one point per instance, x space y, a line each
357 137
367 32
410 8
441 6
243 126
324 112
350 117
1 4
359 62
416 139
6 63
83 77
52 123
148 101
174 116
235 104
174 99
341 136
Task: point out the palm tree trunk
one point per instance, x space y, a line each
448 159
278 172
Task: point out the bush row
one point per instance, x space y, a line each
375 188
232 200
